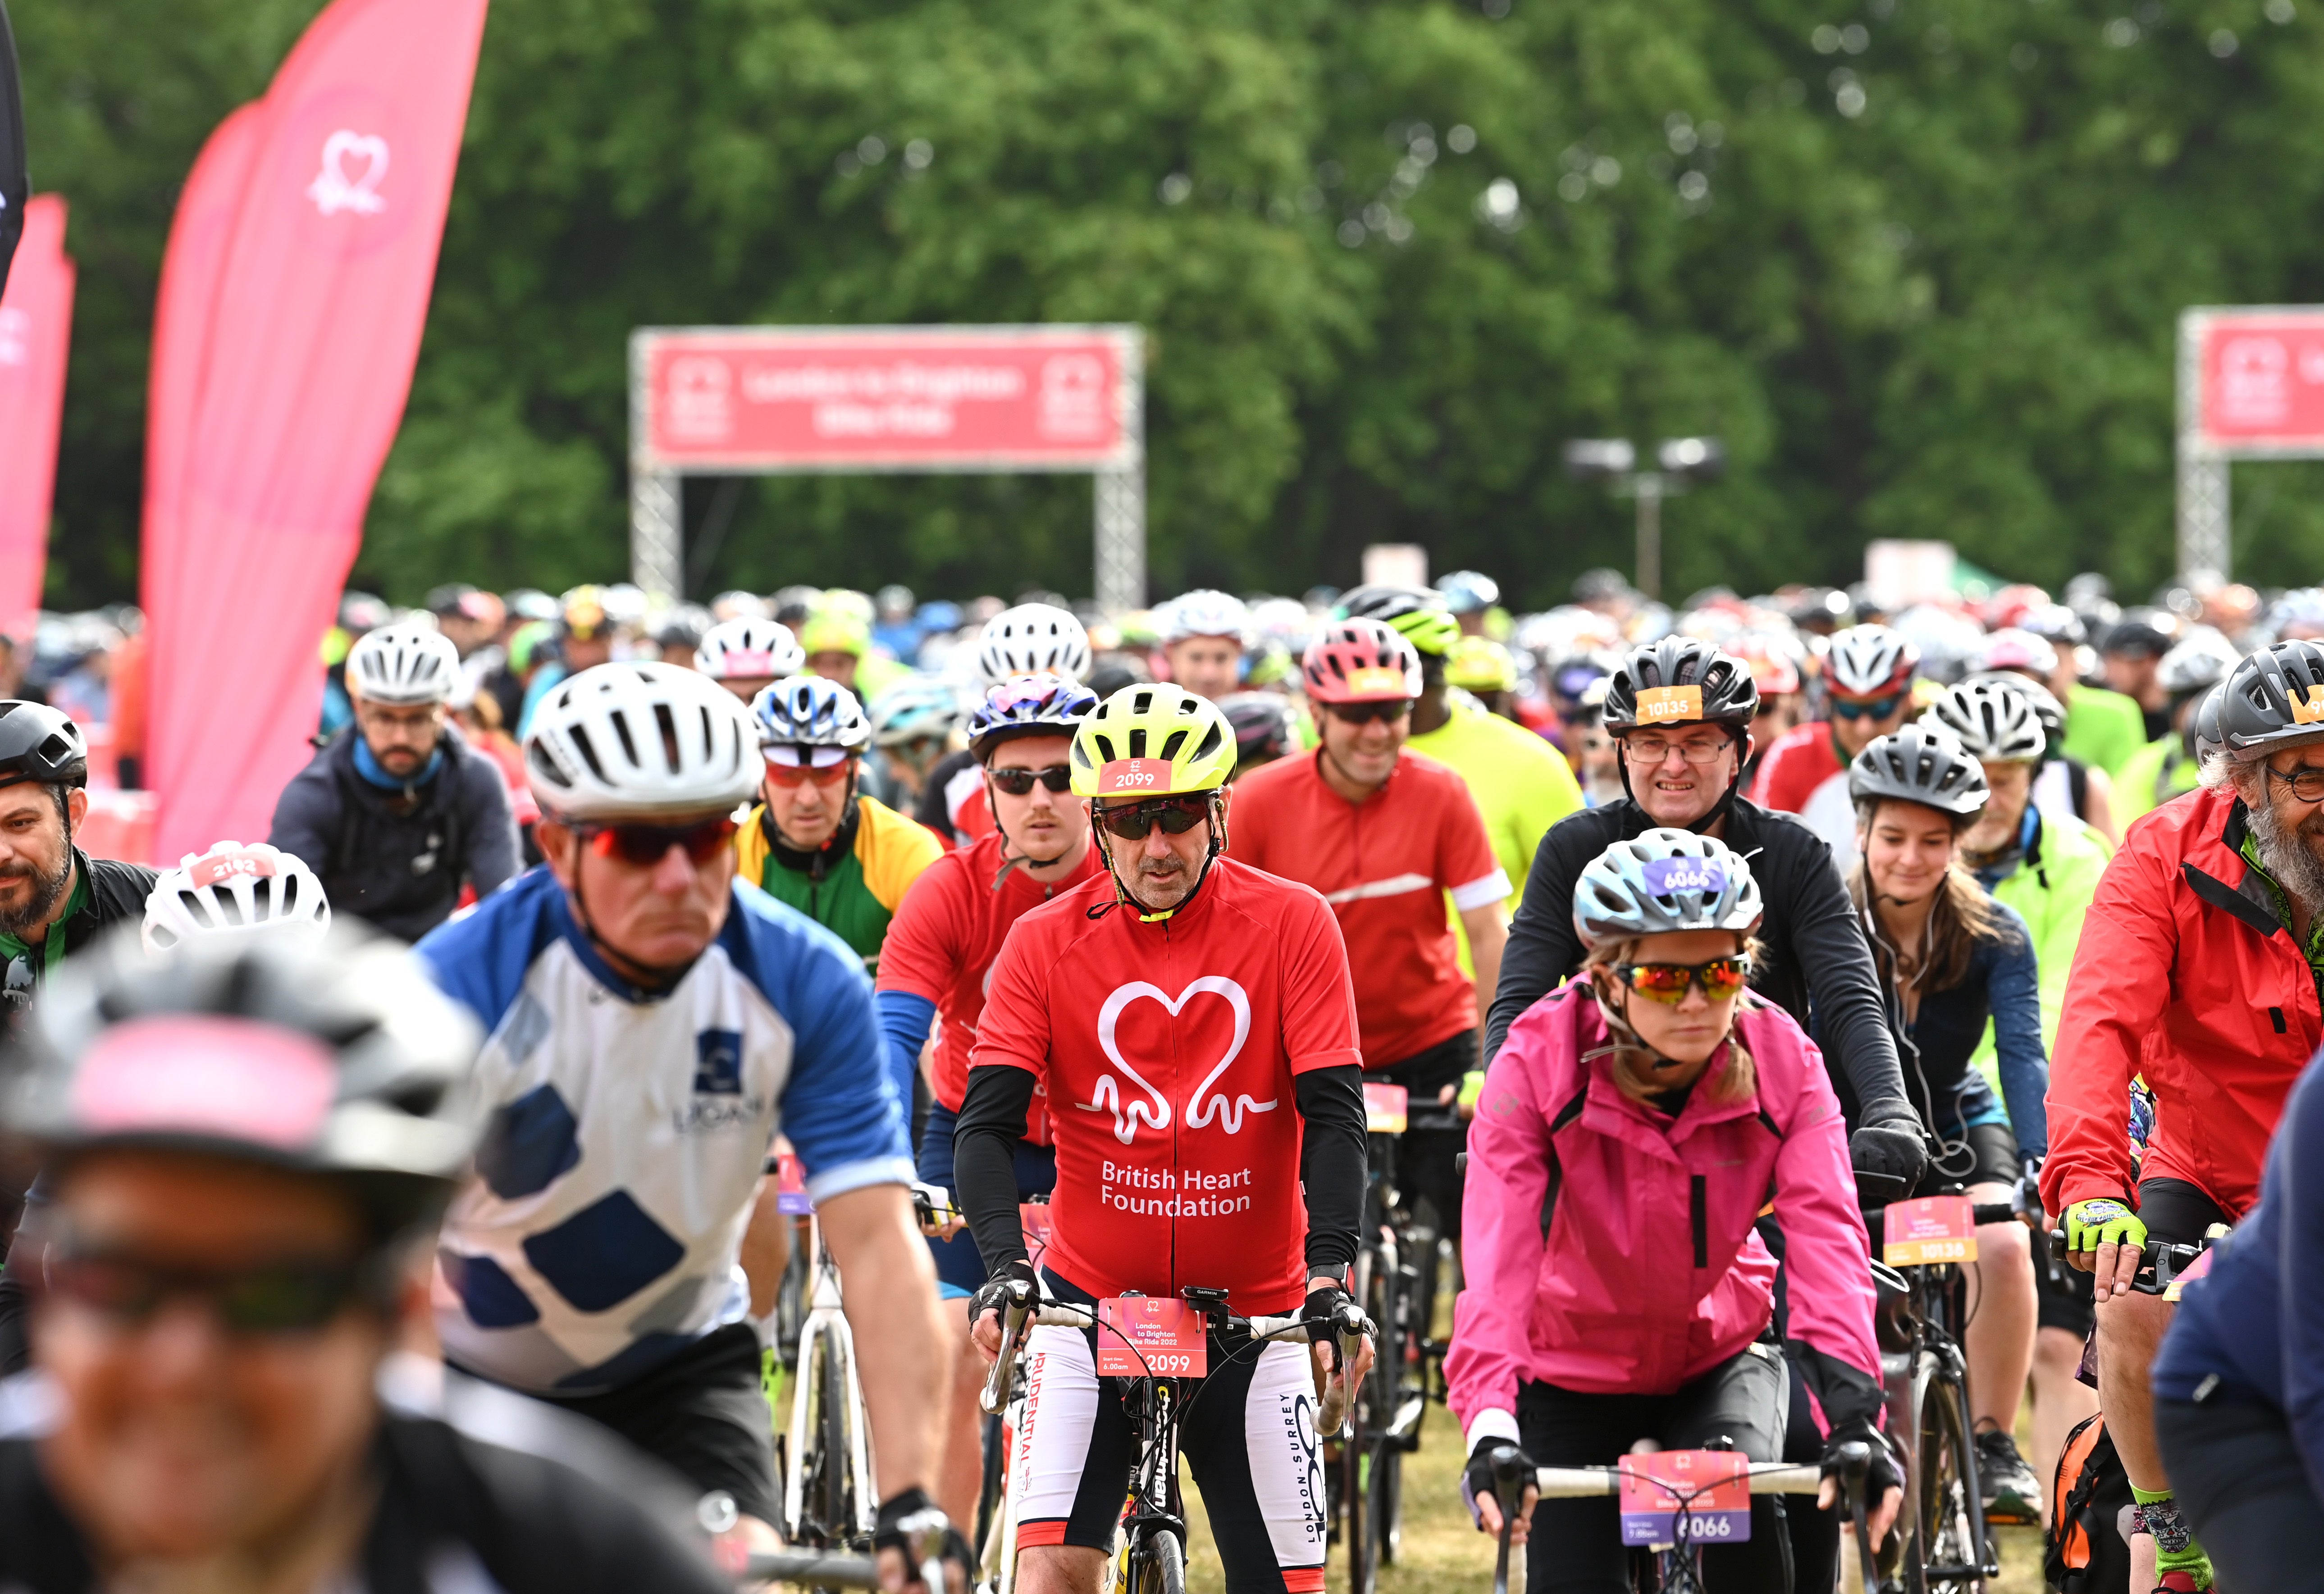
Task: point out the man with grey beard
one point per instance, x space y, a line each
54 899
2200 967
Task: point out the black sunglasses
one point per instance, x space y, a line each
1019 782
1361 714
1176 815
288 1298
1877 708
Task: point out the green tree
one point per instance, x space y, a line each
1917 262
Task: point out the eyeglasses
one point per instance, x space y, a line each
1870 708
1018 782
646 845
290 1297
1657 752
1720 978
1364 713
2306 783
1176 815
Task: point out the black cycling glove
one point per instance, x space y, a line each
914 1509
1894 1148
1880 1478
1477 1478
1324 1303
992 1295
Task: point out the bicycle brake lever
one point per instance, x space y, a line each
1508 1493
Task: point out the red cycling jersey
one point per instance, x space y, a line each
941 942
1383 865
1168 1051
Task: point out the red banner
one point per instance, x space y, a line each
2263 381
35 336
899 398
304 363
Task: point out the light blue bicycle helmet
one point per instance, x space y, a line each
1663 880
810 711
914 709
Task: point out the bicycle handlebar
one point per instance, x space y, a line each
2159 1261
810 1570
1023 1312
1767 1478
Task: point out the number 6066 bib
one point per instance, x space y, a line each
1150 1337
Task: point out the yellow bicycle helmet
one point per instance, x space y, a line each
1152 739
1479 664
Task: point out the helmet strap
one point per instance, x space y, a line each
1718 811
1122 895
1011 861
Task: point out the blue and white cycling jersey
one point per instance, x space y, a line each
628 1130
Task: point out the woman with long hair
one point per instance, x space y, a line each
1951 958
1629 1131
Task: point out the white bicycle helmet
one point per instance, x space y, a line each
1031 640
638 739
234 890
750 648
1997 723
919 707
1661 880
2198 664
403 666
1870 661
1204 612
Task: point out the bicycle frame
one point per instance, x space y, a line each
826 1322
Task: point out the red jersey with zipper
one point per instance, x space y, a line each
1168 1051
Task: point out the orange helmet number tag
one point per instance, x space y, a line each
1378 678
1660 705
227 866
2310 711
1132 776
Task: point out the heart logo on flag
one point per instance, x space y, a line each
1156 1110
335 188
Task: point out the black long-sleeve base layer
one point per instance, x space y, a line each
1332 1160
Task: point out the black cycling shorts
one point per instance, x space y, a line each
2064 1297
1575 1546
703 1415
2177 1212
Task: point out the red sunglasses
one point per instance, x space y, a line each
646 845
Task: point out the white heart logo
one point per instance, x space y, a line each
334 190
1200 1112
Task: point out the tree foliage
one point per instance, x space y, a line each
1918 263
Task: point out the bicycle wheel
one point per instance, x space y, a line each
829 1500
1158 1564
1944 1550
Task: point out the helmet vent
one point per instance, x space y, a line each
1170 746
588 752
666 723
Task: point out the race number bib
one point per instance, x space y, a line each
1712 1487
1933 1229
1150 1337
1386 1108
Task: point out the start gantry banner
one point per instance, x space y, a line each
35 339
297 370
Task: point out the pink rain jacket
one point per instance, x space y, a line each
1651 1273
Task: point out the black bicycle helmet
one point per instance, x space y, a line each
2208 740
1919 764
332 1055
1681 680
38 742
2273 697
1265 727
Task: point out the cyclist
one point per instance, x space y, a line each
2197 971
2067 784
912 726
1951 958
2167 767
1266 727
1193 1023
54 900
2235 1385
814 842
1029 639
939 955
747 655
652 1024
1471 597
1639 1117
1521 784
2132 653
231 890
583 634
1867 680
1385 835
2103 728
399 816
2045 866
1681 713
1483 668
1205 634
230 1273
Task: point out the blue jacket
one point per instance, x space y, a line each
2240 1326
